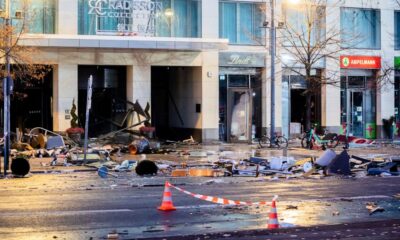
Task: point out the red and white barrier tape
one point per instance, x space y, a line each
217 199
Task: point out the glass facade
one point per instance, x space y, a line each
358 105
241 23
153 18
360 28
300 22
397 30
38 16
397 97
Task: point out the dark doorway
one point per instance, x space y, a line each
31 103
108 98
175 110
298 106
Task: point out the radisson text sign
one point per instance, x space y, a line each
134 16
360 62
112 8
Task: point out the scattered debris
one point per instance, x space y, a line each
336 213
20 166
146 167
291 207
374 208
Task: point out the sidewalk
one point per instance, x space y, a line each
213 152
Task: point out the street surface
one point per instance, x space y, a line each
84 206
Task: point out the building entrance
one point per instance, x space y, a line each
356 112
109 105
294 104
358 106
31 103
176 102
239 114
240 104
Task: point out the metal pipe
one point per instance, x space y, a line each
6 92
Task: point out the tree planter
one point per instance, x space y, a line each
75 134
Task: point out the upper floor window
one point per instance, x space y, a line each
153 18
305 25
241 22
36 16
360 28
397 30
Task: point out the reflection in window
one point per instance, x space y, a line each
302 21
241 22
397 30
38 16
170 18
360 28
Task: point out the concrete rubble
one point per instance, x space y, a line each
129 152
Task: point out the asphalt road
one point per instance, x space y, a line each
83 206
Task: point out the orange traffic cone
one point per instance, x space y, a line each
167 204
273 216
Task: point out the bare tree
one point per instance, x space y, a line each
20 57
308 40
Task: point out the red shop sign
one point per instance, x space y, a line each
365 62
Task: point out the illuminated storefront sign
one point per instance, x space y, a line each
360 62
242 59
397 63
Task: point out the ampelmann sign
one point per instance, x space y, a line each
137 16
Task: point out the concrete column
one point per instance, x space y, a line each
330 94
210 96
67 17
385 93
266 110
65 89
138 86
210 19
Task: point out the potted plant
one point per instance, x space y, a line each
74 132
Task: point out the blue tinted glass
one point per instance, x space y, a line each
228 21
397 30
36 16
159 18
360 28
241 23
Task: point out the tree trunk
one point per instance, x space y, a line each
308 111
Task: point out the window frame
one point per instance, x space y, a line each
261 34
378 30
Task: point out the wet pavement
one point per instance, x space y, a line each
84 206
73 202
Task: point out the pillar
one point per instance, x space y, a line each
138 86
210 19
67 17
210 96
65 90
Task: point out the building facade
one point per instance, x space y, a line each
202 67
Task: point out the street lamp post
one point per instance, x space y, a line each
6 88
273 51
